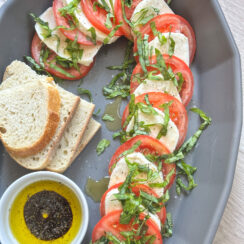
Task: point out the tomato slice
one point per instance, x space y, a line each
110 223
118 12
70 34
136 189
177 65
177 111
148 145
171 23
98 17
35 52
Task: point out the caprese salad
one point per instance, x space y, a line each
154 124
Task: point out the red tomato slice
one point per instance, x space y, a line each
70 34
35 52
110 223
136 189
177 111
171 23
177 65
148 145
97 18
125 28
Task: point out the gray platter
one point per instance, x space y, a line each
216 69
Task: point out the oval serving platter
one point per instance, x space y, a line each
217 73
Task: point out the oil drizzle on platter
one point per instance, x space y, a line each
113 109
95 189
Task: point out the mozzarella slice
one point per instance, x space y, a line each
181 46
52 42
153 7
112 204
121 171
84 25
172 136
166 86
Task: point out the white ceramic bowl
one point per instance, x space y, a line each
12 191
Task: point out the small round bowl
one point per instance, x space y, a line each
12 191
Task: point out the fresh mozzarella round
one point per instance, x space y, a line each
170 140
155 218
158 86
57 42
84 25
150 7
112 204
121 171
181 46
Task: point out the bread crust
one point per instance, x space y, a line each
54 144
74 149
50 129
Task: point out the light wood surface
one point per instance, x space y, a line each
231 228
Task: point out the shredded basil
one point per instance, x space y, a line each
102 145
75 52
167 229
60 70
97 112
111 34
164 129
35 66
82 91
143 51
120 84
131 150
180 81
47 32
69 10
107 117
93 35
171 47
143 17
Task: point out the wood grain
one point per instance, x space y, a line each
231 228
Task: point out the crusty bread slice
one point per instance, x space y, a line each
72 137
29 116
74 133
91 130
69 104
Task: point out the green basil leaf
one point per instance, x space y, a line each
60 70
97 112
167 229
164 129
82 91
93 35
107 117
102 145
171 47
111 34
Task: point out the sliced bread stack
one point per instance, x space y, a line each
74 129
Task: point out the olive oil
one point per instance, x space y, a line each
113 109
95 189
16 216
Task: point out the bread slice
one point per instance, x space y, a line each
69 104
29 116
72 137
91 130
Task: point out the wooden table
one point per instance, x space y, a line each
231 229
